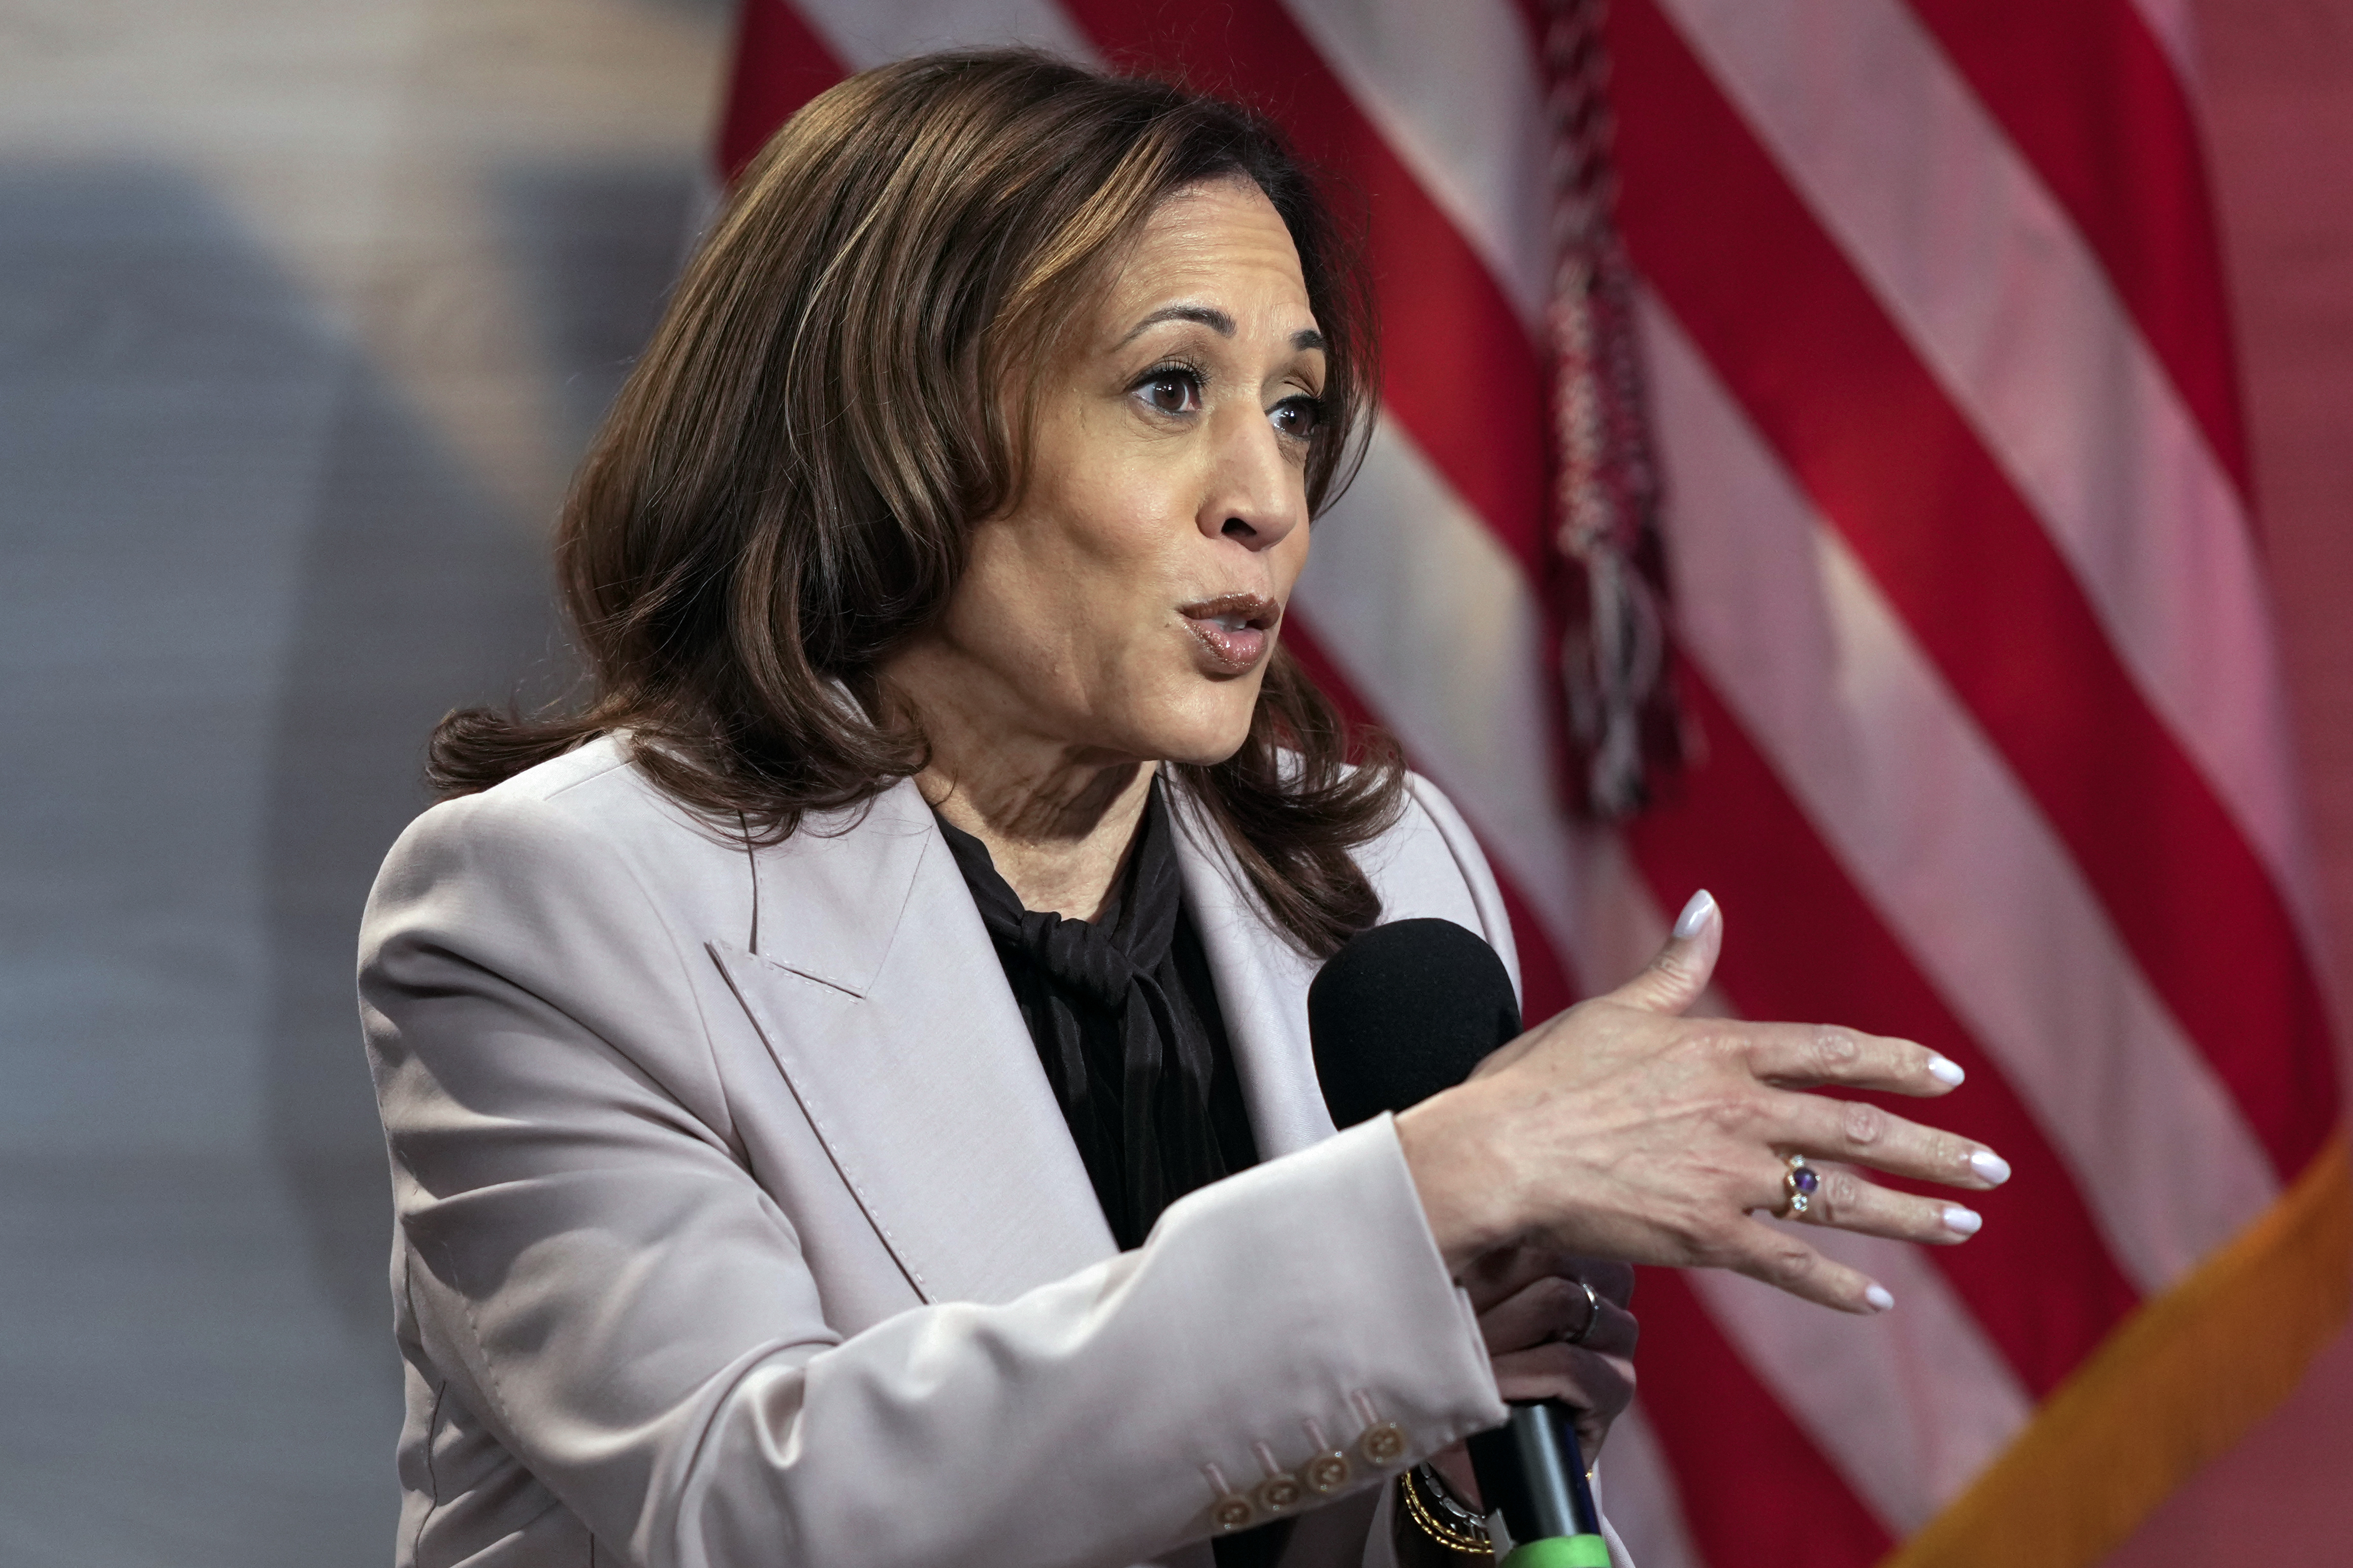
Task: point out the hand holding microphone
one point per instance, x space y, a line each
1559 1327
1403 1012
1407 1011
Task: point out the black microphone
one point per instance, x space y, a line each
1399 1012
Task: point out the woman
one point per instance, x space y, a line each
848 1088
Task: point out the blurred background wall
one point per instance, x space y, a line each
305 311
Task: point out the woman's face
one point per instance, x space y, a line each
1126 606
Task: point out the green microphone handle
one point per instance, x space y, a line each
1561 1551
1530 1469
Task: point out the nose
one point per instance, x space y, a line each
1257 494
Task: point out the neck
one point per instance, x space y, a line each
1057 819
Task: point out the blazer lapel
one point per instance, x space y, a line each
882 1001
1261 989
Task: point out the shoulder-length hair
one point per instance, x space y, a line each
841 387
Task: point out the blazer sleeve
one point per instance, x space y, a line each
610 1292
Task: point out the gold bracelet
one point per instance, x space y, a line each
1469 1538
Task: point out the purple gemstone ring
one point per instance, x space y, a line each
1799 1185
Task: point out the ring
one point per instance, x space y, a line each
1798 1184
1592 1316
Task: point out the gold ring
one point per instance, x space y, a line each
1800 1182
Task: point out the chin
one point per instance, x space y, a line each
1203 732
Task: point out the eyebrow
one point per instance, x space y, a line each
1217 321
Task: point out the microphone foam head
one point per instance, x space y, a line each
1403 1011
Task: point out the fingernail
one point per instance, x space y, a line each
1991 1165
1696 915
1961 1220
1878 1298
1945 1070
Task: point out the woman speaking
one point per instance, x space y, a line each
847 1084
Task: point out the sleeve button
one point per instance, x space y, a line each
1280 1494
1325 1473
1231 1512
1383 1443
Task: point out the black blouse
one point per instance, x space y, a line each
1124 1015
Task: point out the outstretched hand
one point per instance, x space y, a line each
1621 1128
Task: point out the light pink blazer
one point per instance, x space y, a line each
737 1223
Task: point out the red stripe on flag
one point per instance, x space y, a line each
780 64
1464 376
1801 942
1545 984
1758 1493
2087 95
1833 386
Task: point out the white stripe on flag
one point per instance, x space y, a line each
1909 1405
1482 156
869 32
1636 1490
1906 791
2175 23
1432 623
2008 307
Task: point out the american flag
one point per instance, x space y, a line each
1987 744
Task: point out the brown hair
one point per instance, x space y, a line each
783 489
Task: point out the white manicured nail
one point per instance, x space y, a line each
1945 1070
1961 1220
1696 915
1991 1165
1879 1299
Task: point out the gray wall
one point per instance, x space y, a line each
304 312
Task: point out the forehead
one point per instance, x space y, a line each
1223 238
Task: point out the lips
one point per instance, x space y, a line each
1234 630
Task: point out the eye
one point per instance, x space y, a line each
1299 418
1173 389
